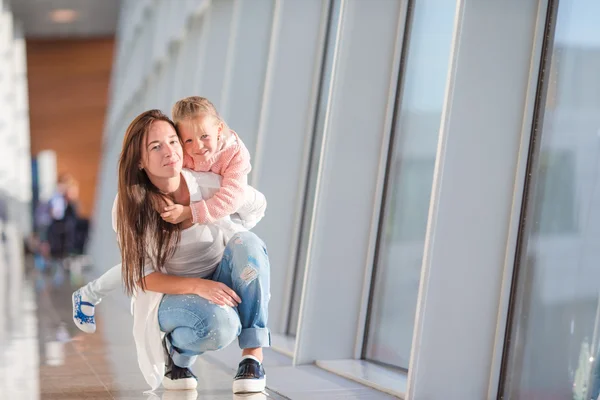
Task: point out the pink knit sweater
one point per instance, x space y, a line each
232 162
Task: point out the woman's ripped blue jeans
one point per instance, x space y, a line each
194 325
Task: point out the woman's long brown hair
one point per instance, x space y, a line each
143 236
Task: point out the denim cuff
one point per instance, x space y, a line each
181 360
251 338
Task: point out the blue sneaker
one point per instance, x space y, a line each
250 377
83 320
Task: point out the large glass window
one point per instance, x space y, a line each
555 335
410 179
315 155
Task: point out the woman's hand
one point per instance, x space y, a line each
217 292
176 213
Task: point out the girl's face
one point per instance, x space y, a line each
162 156
200 137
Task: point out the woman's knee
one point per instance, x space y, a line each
249 241
222 327
182 311
249 256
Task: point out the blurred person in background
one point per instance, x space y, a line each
58 201
77 226
188 268
63 212
71 218
51 236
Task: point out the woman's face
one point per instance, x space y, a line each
162 156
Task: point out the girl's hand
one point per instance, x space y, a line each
217 292
176 213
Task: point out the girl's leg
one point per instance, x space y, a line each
193 325
99 288
86 298
245 269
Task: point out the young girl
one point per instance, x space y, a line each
209 146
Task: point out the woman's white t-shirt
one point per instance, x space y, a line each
199 252
201 247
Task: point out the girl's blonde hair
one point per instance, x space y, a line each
196 106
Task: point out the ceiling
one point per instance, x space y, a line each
94 18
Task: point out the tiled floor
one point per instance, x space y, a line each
43 355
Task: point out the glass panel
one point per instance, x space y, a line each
411 175
315 155
553 348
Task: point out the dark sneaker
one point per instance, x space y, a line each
177 378
250 377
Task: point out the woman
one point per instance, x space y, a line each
195 284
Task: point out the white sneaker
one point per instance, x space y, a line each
180 395
250 377
187 383
83 312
